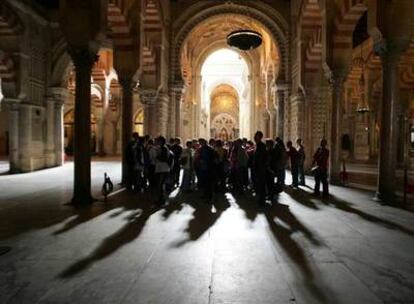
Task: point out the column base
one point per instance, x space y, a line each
385 198
82 200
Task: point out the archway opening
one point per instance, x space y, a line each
207 62
225 90
224 113
4 136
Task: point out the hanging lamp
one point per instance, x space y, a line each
244 40
362 107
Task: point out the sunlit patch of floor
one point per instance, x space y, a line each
301 249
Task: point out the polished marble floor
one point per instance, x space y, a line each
345 249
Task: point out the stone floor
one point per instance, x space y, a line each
346 249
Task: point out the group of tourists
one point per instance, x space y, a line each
159 166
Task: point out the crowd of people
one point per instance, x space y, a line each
215 166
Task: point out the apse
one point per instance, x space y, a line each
225 69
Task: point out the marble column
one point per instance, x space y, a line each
127 119
57 97
13 108
25 136
83 60
176 95
389 122
148 98
337 83
161 124
50 133
58 129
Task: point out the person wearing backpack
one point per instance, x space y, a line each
163 163
139 165
130 152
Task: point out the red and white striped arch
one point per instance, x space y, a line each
314 51
311 15
152 27
152 16
10 24
119 26
349 15
149 59
311 23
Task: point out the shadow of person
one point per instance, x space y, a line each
302 197
283 213
128 233
203 218
348 207
283 236
122 201
248 204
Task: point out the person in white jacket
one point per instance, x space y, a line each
163 164
187 164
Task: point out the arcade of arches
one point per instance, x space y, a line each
79 78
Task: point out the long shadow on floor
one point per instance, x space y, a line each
204 217
128 233
348 207
302 197
283 236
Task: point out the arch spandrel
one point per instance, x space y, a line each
273 22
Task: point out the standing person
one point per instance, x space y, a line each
281 160
320 160
293 155
130 161
139 165
187 162
163 161
150 159
221 153
259 168
176 149
301 162
206 168
270 170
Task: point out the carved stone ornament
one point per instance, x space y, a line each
148 96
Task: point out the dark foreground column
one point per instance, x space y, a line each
336 123
83 59
127 118
389 123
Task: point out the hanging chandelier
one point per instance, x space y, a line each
362 107
244 40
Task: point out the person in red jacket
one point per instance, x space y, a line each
320 168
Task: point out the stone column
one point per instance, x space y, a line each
58 112
148 98
161 122
127 119
13 108
176 95
25 137
337 83
280 109
50 133
57 96
389 122
83 60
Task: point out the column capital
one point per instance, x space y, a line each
58 95
12 104
82 57
148 96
